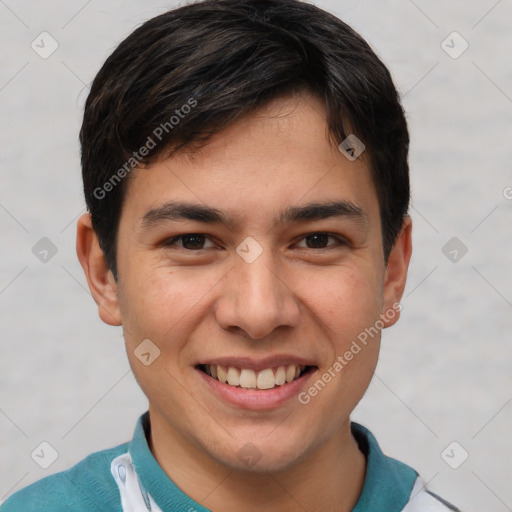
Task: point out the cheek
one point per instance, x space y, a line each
349 310
163 303
345 301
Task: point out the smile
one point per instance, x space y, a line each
247 378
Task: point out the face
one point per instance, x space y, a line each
257 259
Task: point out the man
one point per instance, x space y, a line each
245 171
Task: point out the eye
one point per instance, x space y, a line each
320 241
191 241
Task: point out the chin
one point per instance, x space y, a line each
259 456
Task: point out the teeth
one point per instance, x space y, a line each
247 379
222 374
280 376
268 378
233 377
290 373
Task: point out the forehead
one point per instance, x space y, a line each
280 156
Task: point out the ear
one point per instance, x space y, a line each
100 279
396 274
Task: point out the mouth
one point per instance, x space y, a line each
247 378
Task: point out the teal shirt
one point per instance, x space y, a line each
89 486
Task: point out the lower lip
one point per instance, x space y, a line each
257 399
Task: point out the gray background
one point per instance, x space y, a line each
444 373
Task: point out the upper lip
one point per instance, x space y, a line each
258 364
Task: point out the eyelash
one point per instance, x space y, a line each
340 241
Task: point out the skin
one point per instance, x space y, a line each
293 299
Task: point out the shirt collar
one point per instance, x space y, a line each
387 485
164 491
388 482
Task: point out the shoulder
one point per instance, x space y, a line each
87 486
391 485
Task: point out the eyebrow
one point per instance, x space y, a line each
321 211
176 211
172 211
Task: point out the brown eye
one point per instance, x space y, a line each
317 240
321 241
191 242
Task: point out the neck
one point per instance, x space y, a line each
330 478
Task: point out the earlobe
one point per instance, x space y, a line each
396 274
99 278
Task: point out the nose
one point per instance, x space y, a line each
256 300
